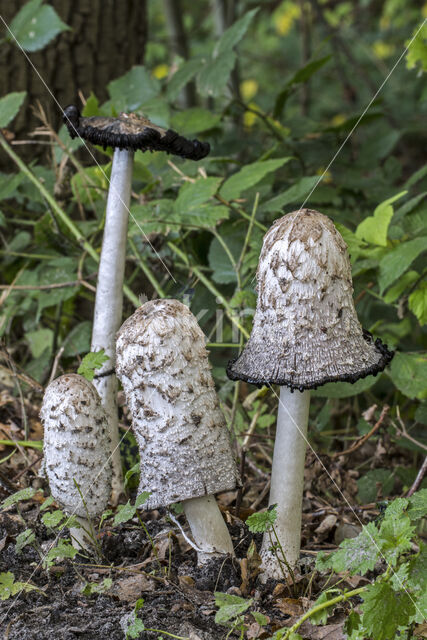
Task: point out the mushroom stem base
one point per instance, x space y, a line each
82 538
209 530
287 482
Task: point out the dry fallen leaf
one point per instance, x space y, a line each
130 589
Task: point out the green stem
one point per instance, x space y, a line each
320 607
248 233
239 211
60 213
146 271
230 256
166 633
201 276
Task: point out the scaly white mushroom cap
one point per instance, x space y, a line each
76 445
306 331
163 365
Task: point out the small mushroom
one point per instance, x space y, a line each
183 441
305 333
125 134
76 450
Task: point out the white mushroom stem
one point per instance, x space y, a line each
83 537
109 297
287 482
209 530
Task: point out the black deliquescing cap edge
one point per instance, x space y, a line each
373 370
147 140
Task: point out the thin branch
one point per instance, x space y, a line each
366 437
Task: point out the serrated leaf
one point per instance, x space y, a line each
35 26
367 485
262 521
62 550
91 362
418 505
229 607
396 261
297 193
374 228
249 176
232 36
194 120
133 89
321 617
418 303
125 512
384 610
213 77
8 586
23 494
24 539
395 537
9 107
409 373
52 519
352 627
417 49
356 555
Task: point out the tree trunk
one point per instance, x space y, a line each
107 38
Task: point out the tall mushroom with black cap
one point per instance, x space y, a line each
76 449
183 441
305 333
126 133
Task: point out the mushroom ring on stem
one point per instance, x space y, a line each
76 450
305 333
126 133
183 441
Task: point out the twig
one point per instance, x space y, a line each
41 287
418 480
366 437
402 432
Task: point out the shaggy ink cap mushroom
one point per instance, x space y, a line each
163 365
76 448
183 441
131 131
306 331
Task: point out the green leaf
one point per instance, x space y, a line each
352 627
400 286
91 362
213 77
125 512
194 120
232 36
297 193
34 26
52 519
78 339
417 49
396 535
193 194
409 373
9 107
39 341
384 610
142 499
374 228
8 586
260 618
180 78
155 217
396 261
229 607
418 303
302 75
134 470
133 89
23 539
418 505
23 494
367 484
262 521
321 617
249 176
417 582
63 550
91 588
345 389
356 555
46 504
223 270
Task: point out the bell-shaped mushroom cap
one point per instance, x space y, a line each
76 445
131 131
306 331
163 365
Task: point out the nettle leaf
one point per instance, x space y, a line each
356 555
23 539
353 627
52 519
249 176
395 537
91 362
9 107
133 89
229 607
297 193
34 26
409 373
396 261
418 303
63 550
367 485
384 610
374 228
263 521
23 494
418 505
8 586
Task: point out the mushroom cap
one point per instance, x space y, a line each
306 331
183 440
131 131
76 445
